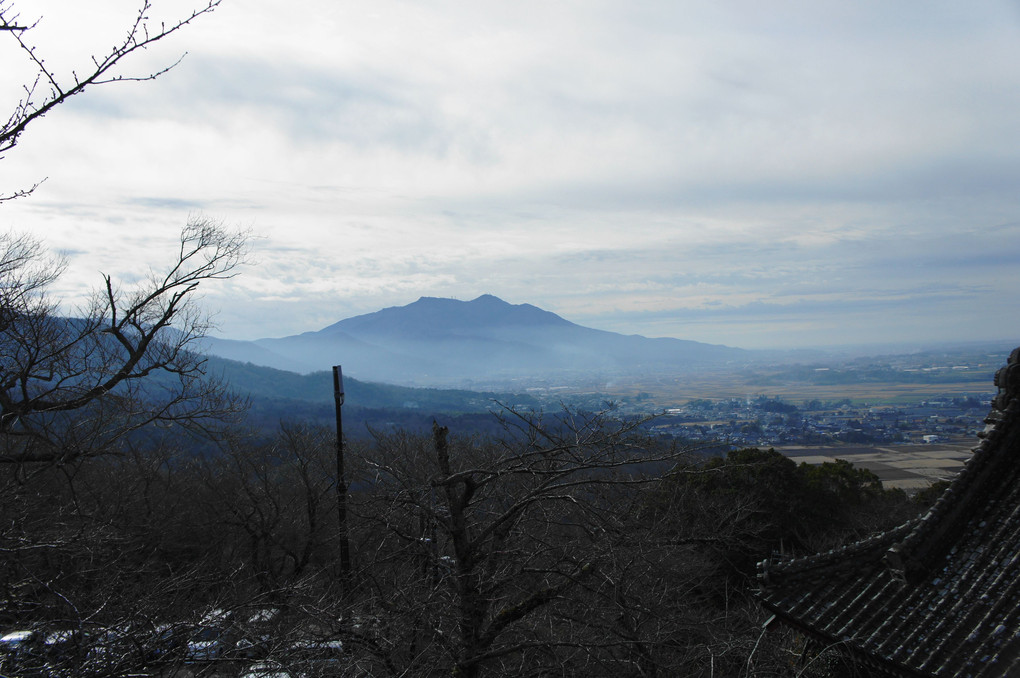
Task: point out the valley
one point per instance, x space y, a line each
910 415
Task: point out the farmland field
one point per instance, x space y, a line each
908 467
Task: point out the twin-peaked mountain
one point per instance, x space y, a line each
445 341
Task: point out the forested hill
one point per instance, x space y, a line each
280 395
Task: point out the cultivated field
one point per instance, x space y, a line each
718 385
909 467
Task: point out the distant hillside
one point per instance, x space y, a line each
279 395
270 383
448 342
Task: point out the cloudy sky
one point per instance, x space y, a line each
755 174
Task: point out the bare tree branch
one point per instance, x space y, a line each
71 386
48 89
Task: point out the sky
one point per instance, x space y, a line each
761 175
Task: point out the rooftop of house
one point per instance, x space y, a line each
938 596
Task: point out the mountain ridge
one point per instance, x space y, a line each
442 342
486 310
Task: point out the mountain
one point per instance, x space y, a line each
445 342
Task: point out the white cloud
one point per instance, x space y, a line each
605 160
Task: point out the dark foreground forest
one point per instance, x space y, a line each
571 545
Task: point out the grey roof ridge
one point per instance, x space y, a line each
770 571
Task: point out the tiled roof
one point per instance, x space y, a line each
939 596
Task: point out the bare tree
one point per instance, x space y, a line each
276 504
73 387
48 88
487 557
111 561
25 271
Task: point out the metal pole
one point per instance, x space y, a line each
341 480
